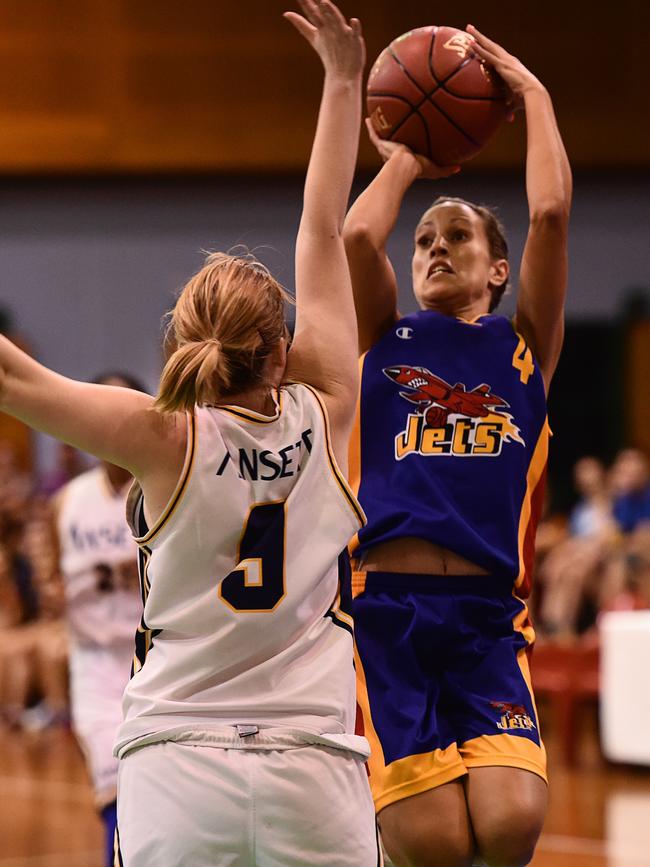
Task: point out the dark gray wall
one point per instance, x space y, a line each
89 268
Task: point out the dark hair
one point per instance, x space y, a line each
496 237
128 379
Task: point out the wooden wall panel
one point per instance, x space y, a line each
216 85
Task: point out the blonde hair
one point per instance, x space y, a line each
227 320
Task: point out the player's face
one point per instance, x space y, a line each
452 268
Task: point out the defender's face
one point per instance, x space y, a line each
452 268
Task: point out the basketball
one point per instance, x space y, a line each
431 92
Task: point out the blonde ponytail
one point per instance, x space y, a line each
227 320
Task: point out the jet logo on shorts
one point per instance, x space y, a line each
513 716
450 420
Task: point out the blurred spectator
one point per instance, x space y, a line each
570 573
69 463
15 483
601 560
33 645
631 485
49 639
18 609
592 514
626 584
14 433
103 606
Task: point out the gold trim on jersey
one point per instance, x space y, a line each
474 320
358 580
181 485
521 623
535 470
354 451
337 613
376 761
338 475
505 751
250 415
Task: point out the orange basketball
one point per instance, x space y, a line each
431 92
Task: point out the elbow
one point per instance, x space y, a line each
357 235
552 214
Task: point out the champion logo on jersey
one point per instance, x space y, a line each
450 420
404 332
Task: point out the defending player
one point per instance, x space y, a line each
238 744
453 442
103 606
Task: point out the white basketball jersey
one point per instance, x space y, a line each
98 562
242 578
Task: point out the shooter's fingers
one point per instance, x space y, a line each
372 132
483 40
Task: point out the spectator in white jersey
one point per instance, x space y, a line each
238 745
103 607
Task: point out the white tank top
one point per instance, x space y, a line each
98 562
242 578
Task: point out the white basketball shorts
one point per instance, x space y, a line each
182 805
97 680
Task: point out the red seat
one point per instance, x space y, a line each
568 676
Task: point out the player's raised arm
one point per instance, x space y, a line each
544 267
116 424
368 225
324 349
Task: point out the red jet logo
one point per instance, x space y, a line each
438 400
513 716
510 710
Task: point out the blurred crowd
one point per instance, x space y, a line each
594 559
33 639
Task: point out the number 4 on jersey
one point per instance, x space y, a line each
522 360
257 582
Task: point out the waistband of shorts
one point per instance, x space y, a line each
249 737
409 582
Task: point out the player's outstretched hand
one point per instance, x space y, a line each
339 44
427 168
512 71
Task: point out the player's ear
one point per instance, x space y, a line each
499 271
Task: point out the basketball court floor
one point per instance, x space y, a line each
599 814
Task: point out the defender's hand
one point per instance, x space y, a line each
339 45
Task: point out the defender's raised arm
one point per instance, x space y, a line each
324 349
